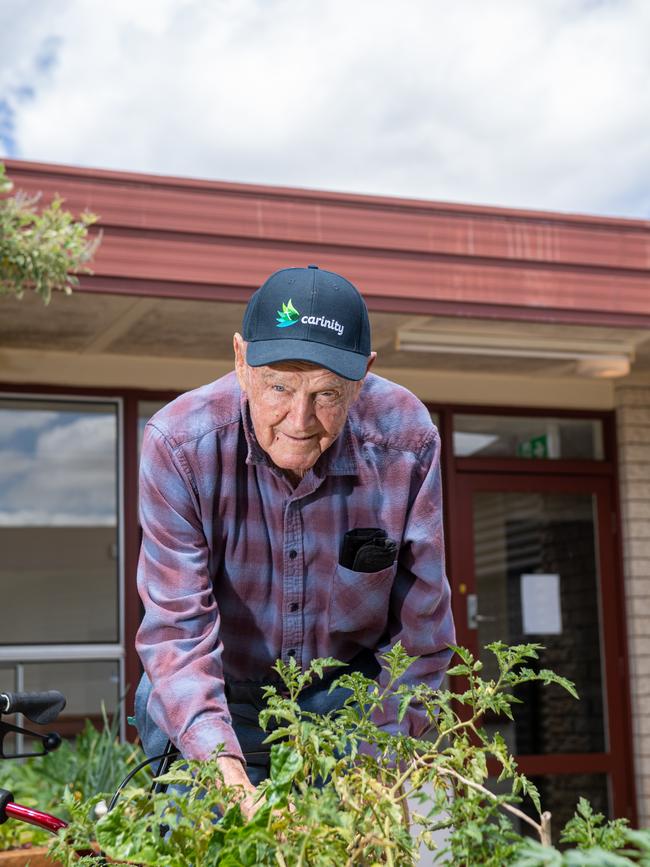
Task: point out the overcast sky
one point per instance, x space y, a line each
525 103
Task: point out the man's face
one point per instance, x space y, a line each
297 409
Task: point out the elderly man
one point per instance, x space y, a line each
290 509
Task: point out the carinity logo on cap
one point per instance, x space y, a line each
288 315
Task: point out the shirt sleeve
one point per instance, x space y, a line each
178 640
420 607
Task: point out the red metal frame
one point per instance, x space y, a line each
34 817
534 467
611 447
617 762
132 666
461 475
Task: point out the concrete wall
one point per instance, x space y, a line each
633 424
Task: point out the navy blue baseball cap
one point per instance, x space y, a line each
306 314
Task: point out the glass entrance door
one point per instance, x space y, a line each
540 567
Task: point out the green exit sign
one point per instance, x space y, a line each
535 447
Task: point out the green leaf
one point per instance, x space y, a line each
397 661
404 702
457 670
533 854
521 784
286 762
464 653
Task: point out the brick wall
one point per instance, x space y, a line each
633 426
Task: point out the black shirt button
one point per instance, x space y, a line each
293 554
294 606
291 652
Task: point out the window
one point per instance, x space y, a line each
539 437
60 571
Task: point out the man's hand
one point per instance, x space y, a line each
234 774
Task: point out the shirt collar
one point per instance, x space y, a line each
339 460
256 454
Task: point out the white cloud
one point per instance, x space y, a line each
13 464
45 518
14 420
536 104
68 480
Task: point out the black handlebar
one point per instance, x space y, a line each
39 707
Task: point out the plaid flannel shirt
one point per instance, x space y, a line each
238 568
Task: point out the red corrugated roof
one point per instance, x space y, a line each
178 237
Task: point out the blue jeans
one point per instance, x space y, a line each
244 712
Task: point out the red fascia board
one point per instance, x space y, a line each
246 264
404 305
187 232
335 219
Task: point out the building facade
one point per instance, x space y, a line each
527 335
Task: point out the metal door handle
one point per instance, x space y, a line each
473 617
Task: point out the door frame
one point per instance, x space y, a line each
616 762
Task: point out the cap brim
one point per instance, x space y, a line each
349 365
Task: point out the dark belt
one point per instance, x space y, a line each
252 691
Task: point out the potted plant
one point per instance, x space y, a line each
94 761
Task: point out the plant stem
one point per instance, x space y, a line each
303 850
545 833
516 812
401 780
405 808
460 725
389 851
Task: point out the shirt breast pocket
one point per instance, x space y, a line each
358 605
